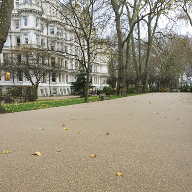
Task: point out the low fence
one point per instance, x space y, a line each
18 94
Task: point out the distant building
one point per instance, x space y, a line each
36 23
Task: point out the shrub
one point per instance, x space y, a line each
131 90
164 89
190 88
110 92
17 92
106 89
153 89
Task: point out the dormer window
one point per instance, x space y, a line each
17 4
27 1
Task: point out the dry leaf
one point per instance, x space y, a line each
37 153
80 133
65 128
93 155
177 118
59 151
107 133
63 125
5 152
119 173
165 117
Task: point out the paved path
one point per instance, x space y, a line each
149 141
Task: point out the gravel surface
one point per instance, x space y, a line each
149 141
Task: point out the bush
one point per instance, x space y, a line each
153 89
131 90
17 92
190 88
106 89
110 92
164 90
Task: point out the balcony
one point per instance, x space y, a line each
29 6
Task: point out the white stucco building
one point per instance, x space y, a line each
36 23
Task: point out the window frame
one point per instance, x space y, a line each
25 21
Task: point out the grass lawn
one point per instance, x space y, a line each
42 104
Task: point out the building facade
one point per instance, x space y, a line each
37 24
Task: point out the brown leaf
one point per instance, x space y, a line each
80 133
107 133
58 150
37 153
6 152
93 156
63 125
65 128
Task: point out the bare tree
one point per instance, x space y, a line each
81 17
36 65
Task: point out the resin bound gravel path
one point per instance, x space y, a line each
149 141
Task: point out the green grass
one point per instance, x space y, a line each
42 104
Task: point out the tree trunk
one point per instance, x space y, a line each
5 18
87 87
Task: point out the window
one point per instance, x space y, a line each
18 41
5 57
25 21
17 24
20 78
52 61
17 5
52 45
67 79
53 77
27 1
7 76
52 30
37 22
26 39
0 2
0 80
90 68
37 39
90 79
66 65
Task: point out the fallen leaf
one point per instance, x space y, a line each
165 117
119 173
5 152
65 128
177 118
107 133
59 151
157 113
37 153
93 156
80 133
39 128
63 125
